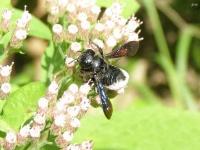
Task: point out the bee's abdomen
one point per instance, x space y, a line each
112 75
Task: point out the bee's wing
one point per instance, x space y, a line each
128 49
106 104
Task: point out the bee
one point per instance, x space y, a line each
103 75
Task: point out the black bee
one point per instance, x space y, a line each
105 75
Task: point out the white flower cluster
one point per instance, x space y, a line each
21 29
5 86
33 129
82 26
65 113
5 21
68 111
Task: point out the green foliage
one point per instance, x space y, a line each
21 104
144 128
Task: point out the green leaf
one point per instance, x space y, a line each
53 59
37 27
129 6
5 39
47 66
145 128
21 104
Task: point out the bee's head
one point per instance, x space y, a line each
86 60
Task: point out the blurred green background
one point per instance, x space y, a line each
160 107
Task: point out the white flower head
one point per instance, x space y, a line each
99 27
111 41
39 119
86 145
73 147
7 14
85 25
53 87
68 98
35 132
73 111
99 43
85 103
24 131
60 120
70 62
6 88
73 88
71 8
21 34
67 136
54 10
82 16
11 138
84 89
75 123
5 70
75 46
72 29
43 103
95 9
57 28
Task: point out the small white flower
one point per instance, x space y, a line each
99 42
75 123
73 111
24 131
57 28
60 106
82 16
110 24
21 34
73 147
116 8
11 138
99 27
86 145
54 10
108 12
6 88
73 29
35 132
95 9
84 89
111 41
67 136
85 103
85 25
39 119
133 37
43 103
68 98
117 33
69 62
26 16
60 120
73 88
71 8
75 46
6 15
63 3
53 87
5 70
